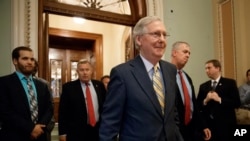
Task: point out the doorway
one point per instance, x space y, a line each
137 9
64 53
53 54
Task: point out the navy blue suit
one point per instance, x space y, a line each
132 109
15 112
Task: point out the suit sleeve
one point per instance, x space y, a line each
63 111
231 98
113 108
45 103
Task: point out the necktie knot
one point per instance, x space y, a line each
214 83
27 79
180 72
156 67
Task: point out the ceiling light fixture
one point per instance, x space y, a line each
79 20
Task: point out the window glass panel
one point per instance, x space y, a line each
73 72
56 77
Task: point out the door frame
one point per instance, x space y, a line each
97 48
137 7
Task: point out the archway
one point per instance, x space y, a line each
46 7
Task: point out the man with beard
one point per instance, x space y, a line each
25 103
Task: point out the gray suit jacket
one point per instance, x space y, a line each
132 109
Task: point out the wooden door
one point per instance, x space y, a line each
62 65
65 48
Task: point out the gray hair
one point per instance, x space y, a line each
140 29
176 44
84 61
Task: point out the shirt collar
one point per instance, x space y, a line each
22 76
147 64
217 79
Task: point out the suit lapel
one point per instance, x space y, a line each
97 90
142 77
21 92
219 84
79 91
167 84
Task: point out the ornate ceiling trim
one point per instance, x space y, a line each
106 16
136 6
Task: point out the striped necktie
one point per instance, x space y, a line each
33 102
158 87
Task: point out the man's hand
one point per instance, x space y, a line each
62 138
212 95
37 131
207 134
215 97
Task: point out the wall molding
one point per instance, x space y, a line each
155 7
27 21
226 38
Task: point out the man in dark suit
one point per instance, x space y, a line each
75 117
138 107
217 100
19 121
187 110
51 124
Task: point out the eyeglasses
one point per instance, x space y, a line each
158 35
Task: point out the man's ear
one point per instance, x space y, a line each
14 61
174 53
138 40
